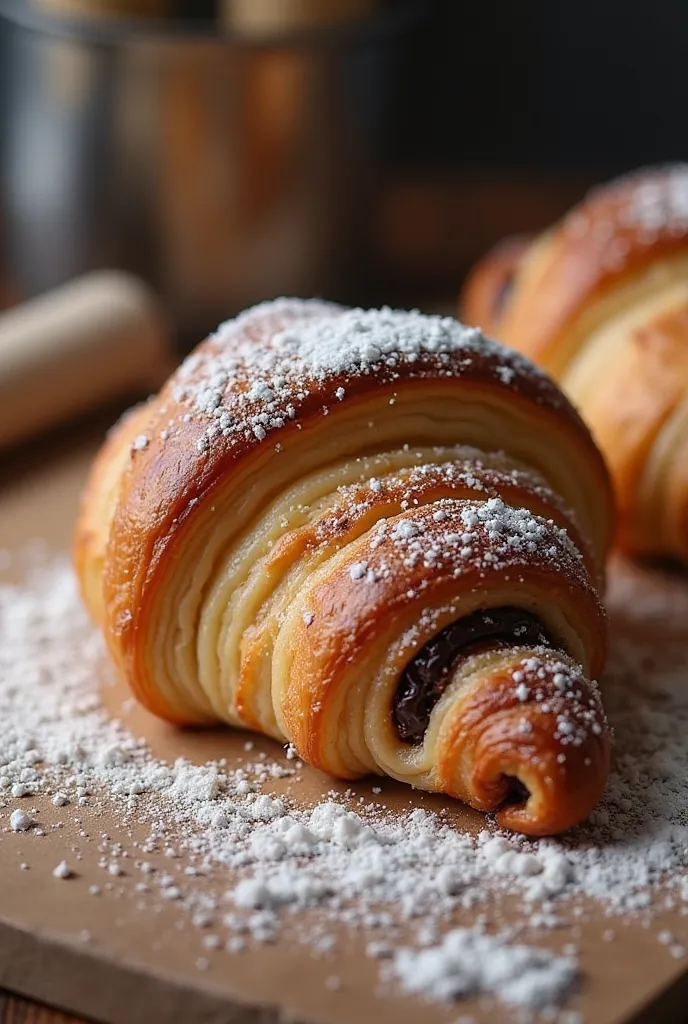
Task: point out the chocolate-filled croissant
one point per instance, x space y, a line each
601 301
375 535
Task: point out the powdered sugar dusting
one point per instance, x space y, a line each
473 536
266 859
247 382
454 472
636 209
359 341
354 341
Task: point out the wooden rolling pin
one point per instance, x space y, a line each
102 337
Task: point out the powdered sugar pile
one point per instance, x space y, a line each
400 877
467 962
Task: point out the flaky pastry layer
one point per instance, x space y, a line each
601 301
313 496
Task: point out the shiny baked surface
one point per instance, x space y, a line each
601 301
314 495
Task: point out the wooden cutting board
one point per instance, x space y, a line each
139 967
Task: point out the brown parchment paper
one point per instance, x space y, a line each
138 963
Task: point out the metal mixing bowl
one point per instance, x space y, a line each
222 171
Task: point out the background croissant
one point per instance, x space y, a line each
601 301
375 535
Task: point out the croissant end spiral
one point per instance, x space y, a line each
375 535
601 301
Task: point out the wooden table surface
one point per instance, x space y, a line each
14 1010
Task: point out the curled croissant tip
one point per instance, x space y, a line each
536 812
537 784
542 792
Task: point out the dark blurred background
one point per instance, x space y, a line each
513 110
545 85
370 157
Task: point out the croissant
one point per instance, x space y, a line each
601 301
374 535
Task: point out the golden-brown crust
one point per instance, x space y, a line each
652 376
487 288
601 302
345 621
556 747
141 544
231 564
97 508
360 506
473 477
343 614
170 480
617 232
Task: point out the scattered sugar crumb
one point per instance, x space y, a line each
20 821
365 869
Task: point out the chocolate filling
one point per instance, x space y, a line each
426 677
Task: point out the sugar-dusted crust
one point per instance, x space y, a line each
601 302
276 451
554 742
612 237
358 620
